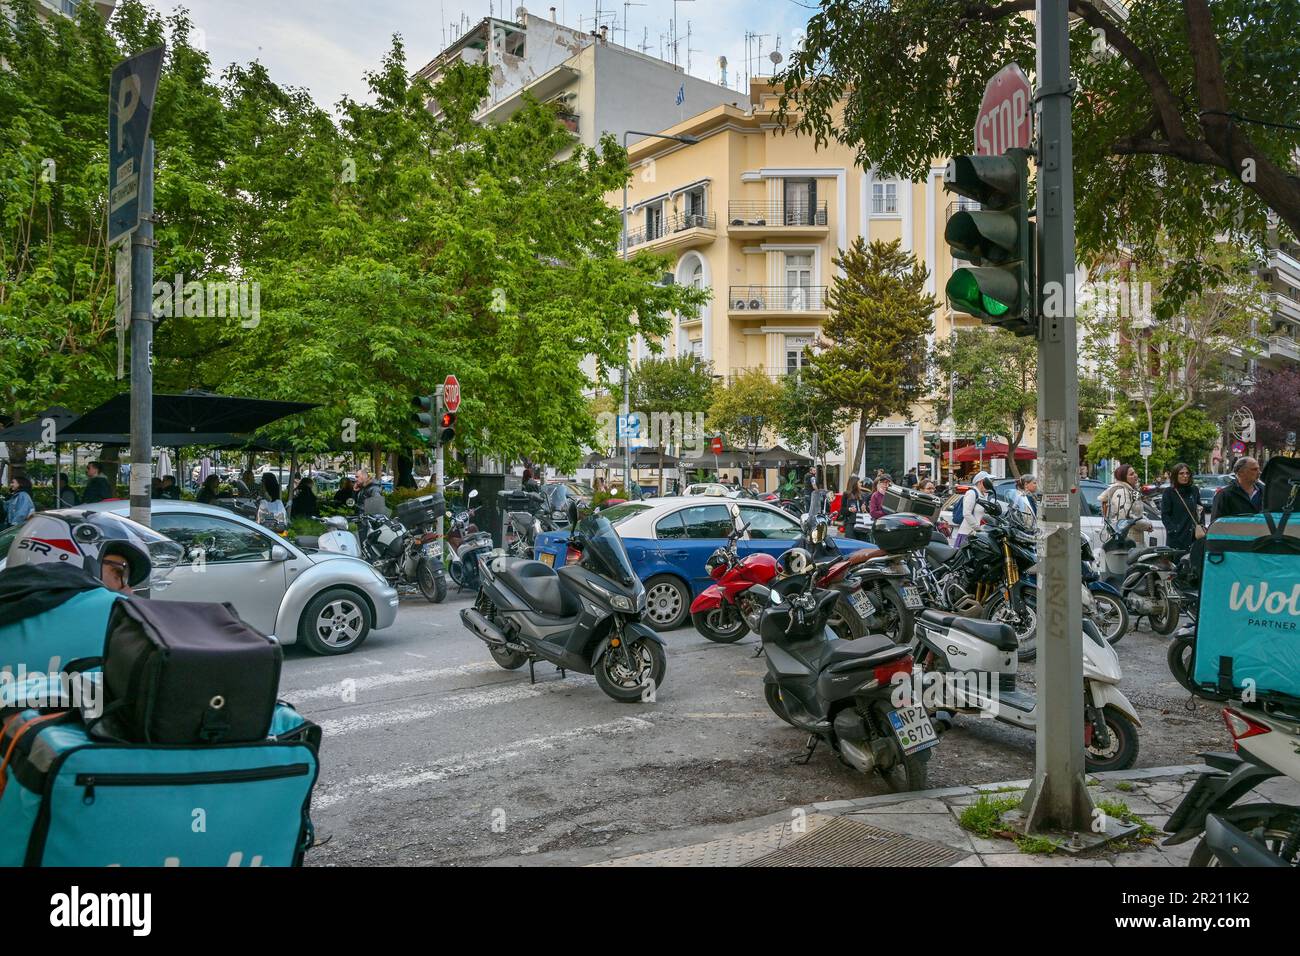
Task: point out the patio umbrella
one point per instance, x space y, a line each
193 417
36 429
164 467
205 469
994 449
779 455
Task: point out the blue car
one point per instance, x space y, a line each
670 539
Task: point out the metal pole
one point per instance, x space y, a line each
627 359
438 464
142 346
1058 797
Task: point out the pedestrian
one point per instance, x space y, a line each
97 486
208 491
972 511
1245 496
1121 502
305 504
529 482
851 505
598 485
20 505
876 504
910 478
345 492
927 486
155 487
68 497
170 489
1180 510
1026 500
270 509
365 490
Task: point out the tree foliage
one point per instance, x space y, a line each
1189 439
871 359
746 409
809 420
1275 402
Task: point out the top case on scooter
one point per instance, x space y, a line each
1248 626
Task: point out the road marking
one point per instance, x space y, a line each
413 654
464 764
310 670
505 694
335 689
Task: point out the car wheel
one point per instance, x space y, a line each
336 621
667 602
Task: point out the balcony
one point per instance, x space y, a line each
1283 347
680 231
759 300
745 218
1284 306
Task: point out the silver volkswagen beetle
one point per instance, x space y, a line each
330 602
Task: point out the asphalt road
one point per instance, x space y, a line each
434 755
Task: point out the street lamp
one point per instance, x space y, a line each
627 359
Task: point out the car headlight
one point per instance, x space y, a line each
622 603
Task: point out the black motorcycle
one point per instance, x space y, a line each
840 692
1144 576
531 513
407 558
585 617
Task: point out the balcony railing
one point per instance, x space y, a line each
742 212
672 224
776 298
1283 346
775 374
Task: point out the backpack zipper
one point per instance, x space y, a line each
92 780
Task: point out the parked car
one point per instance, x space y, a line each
330 602
669 540
1210 485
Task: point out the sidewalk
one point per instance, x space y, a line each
924 828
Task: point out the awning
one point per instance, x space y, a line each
190 418
994 449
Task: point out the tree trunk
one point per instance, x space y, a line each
854 461
17 460
110 458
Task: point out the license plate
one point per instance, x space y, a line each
548 559
913 729
862 604
430 551
912 598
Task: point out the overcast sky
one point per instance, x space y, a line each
327 45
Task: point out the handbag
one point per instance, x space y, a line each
1197 531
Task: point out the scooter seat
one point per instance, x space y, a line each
540 586
939 553
872 649
1002 636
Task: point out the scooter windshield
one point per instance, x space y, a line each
603 548
556 499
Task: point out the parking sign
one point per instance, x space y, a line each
1144 442
130 107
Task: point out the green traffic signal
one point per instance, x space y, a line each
422 417
984 293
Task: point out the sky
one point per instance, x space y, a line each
327 46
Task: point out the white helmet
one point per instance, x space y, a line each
82 539
795 561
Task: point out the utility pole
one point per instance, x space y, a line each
142 346
1058 798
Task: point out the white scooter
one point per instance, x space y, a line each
968 666
337 538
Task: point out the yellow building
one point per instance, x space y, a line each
758 216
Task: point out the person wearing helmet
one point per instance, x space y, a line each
63 572
972 511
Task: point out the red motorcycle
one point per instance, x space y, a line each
716 612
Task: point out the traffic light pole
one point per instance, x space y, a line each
1058 798
437 465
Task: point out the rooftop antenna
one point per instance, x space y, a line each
626 5
675 2
645 40
689 48
775 56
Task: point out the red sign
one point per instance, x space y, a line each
1004 119
451 393
716 445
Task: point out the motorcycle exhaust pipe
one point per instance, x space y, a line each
483 629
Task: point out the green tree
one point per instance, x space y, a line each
1191 436
745 410
809 421
1182 126
992 377
872 356
675 389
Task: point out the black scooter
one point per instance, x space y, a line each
585 617
839 691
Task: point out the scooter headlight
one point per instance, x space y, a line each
622 603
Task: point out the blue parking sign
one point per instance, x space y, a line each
130 107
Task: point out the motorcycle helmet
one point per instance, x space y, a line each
716 563
82 539
795 561
814 528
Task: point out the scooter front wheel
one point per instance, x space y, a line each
1111 617
432 585
638 681
722 624
1120 752
1165 622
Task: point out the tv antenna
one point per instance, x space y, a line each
626 5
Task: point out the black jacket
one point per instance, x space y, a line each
1233 500
97 489
31 589
1176 515
304 505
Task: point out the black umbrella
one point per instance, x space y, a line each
779 455
191 418
34 430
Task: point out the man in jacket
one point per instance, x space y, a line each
1245 496
97 486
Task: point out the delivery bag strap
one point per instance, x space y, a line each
13 743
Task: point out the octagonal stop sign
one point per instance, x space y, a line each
451 393
1004 118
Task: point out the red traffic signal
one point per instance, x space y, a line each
447 427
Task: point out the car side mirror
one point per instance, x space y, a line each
280 553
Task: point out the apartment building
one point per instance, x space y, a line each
758 217
1279 344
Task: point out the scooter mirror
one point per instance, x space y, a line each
774 597
473 494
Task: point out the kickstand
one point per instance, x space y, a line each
532 675
808 751
563 673
758 652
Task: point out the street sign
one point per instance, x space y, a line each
1239 448
1144 442
1003 121
451 393
715 445
982 442
130 107
122 304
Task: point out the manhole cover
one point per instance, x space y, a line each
845 842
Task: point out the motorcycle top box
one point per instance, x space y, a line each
416 512
901 532
902 500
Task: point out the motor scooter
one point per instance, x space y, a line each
1144 576
469 544
337 539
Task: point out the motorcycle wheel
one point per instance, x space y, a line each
1166 622
619 682
1179 657
1026 626
1279 825
1123 750
772 694
892 619
454 572
722 624
1111 617
432 586
910 772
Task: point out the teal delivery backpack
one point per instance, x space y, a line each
1248 627
70 799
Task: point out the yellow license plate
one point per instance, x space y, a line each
548 559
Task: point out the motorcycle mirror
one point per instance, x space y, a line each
774 597
473 494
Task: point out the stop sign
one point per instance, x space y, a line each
1004 121
716 445
451 393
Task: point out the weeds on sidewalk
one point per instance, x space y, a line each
984 818
1120 811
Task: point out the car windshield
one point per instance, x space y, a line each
603 551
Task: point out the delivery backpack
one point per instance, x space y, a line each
68 798
1248 625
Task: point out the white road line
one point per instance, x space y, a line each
413 654
464 764
505 694
359 684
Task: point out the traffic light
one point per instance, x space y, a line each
446 427
932 444
422 418
998 288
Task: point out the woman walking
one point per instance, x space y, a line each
1180 509
851 505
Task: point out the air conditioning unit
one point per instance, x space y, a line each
739 304
755 303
